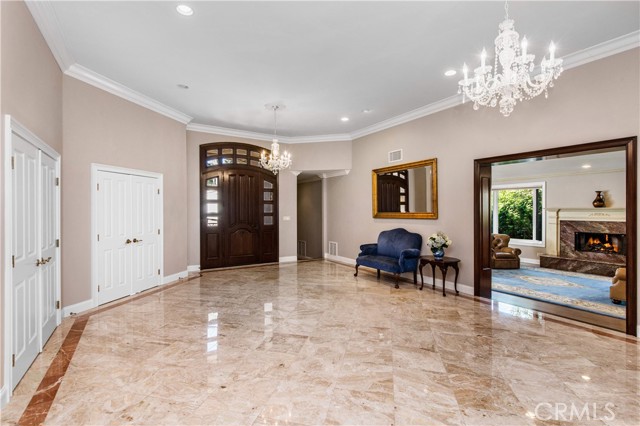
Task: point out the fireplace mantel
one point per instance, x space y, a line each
555 215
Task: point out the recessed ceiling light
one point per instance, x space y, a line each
183 86
185 10
345 119
366 111
586 166
450 73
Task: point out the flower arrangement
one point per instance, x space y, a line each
439 240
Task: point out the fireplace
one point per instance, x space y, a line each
591 241
600 242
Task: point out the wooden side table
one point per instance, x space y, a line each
443 264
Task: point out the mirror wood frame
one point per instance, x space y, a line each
482 231
433 162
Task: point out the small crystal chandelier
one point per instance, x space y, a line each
274 161
515 82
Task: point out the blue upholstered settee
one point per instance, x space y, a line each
397 251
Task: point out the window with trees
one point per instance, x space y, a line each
517 210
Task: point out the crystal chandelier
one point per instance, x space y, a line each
274 161
515 82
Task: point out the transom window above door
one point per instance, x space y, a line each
216 157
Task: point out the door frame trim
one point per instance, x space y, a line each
12 126
482 280
95 168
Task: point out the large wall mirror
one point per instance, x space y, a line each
406 191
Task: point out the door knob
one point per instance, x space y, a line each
47 260
39 262
128 241
135 240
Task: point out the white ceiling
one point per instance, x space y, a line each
324 60
600 162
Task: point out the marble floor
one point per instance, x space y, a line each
308 343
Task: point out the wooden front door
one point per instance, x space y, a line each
238 207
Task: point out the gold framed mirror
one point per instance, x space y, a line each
406 191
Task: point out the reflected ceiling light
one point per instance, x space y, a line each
275 161
450 73
586 166
366 111
513 83
185 10
344 119
183 86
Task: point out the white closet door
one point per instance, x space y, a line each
144 231
48 222
26 344
113 223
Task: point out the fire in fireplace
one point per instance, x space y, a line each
601 243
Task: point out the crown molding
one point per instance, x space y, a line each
602 50
101 82
225 131
337 137
45 18
423 111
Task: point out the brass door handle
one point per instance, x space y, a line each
39 262
47 260
136 240
128 241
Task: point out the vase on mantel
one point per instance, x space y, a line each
438 253
599 201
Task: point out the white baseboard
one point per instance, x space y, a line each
288 259
193 268
530 261
174 277
340 259
77 308
4 397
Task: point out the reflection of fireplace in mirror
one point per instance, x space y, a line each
595 242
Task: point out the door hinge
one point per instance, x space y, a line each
158 191
13 360
98 289
58 242
13 163
158 271
57 181
58 304
98 237
97 187
158 231
13 261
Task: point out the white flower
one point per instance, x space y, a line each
439 240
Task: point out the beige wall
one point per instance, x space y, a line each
310 217
31 88
102 128
323 156
588 104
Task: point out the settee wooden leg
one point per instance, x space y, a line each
378 273
415 277
397 279
616 301
356 274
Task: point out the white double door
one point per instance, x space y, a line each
128 224
35 260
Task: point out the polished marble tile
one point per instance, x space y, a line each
308 343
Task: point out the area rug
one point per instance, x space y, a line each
582 291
